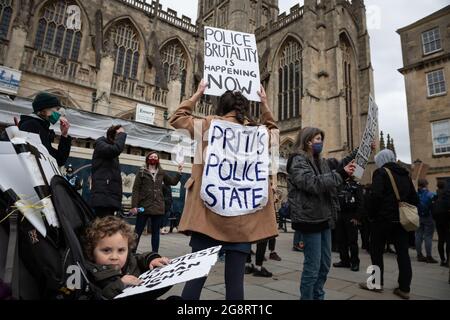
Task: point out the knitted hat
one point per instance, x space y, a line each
44 100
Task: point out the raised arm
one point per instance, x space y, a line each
266 115
183 118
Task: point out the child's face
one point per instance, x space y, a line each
112 250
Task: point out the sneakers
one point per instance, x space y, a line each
298 247
431 260
363 285
262 273
445 263
341 264
401 294
274 256
164 230
249 269
421 258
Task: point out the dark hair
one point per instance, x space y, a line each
306 135
234 100
423 183
441 185
148 156
111 132
106 227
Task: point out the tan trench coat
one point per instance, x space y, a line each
196 216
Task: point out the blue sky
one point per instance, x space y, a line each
384 18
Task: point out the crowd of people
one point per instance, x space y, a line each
323 196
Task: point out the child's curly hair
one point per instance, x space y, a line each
106 227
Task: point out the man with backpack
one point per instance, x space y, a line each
426 228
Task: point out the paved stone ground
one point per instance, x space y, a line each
430 281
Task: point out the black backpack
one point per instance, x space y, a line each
52 267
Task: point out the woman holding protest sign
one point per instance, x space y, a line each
242 211
313 202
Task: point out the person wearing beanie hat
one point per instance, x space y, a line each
45 112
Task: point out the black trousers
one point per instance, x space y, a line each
234 277
347 238
365 233
443 231
380 233
260 252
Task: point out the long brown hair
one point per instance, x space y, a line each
159 158
234 100
306 135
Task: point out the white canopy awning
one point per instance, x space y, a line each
89 125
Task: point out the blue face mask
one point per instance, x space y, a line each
317 148
54 117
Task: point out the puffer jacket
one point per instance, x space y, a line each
148 193
106 173
312 194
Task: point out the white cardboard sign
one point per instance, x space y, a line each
364 151
236 172
188 267
231 63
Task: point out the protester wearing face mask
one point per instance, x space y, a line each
106 191
148 194
45 112
312 195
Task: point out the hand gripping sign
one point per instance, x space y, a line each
188 267
236 173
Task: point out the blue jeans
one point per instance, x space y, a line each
425 232
317 263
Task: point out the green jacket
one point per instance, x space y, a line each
107 278
148 192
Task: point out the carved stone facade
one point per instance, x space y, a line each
315 60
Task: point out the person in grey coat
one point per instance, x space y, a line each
312 196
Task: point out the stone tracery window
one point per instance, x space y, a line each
290 81
5 17
126 46
52 34
174 61
348 65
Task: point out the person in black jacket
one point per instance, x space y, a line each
385 219
349 217
106 174
440 210
45 112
